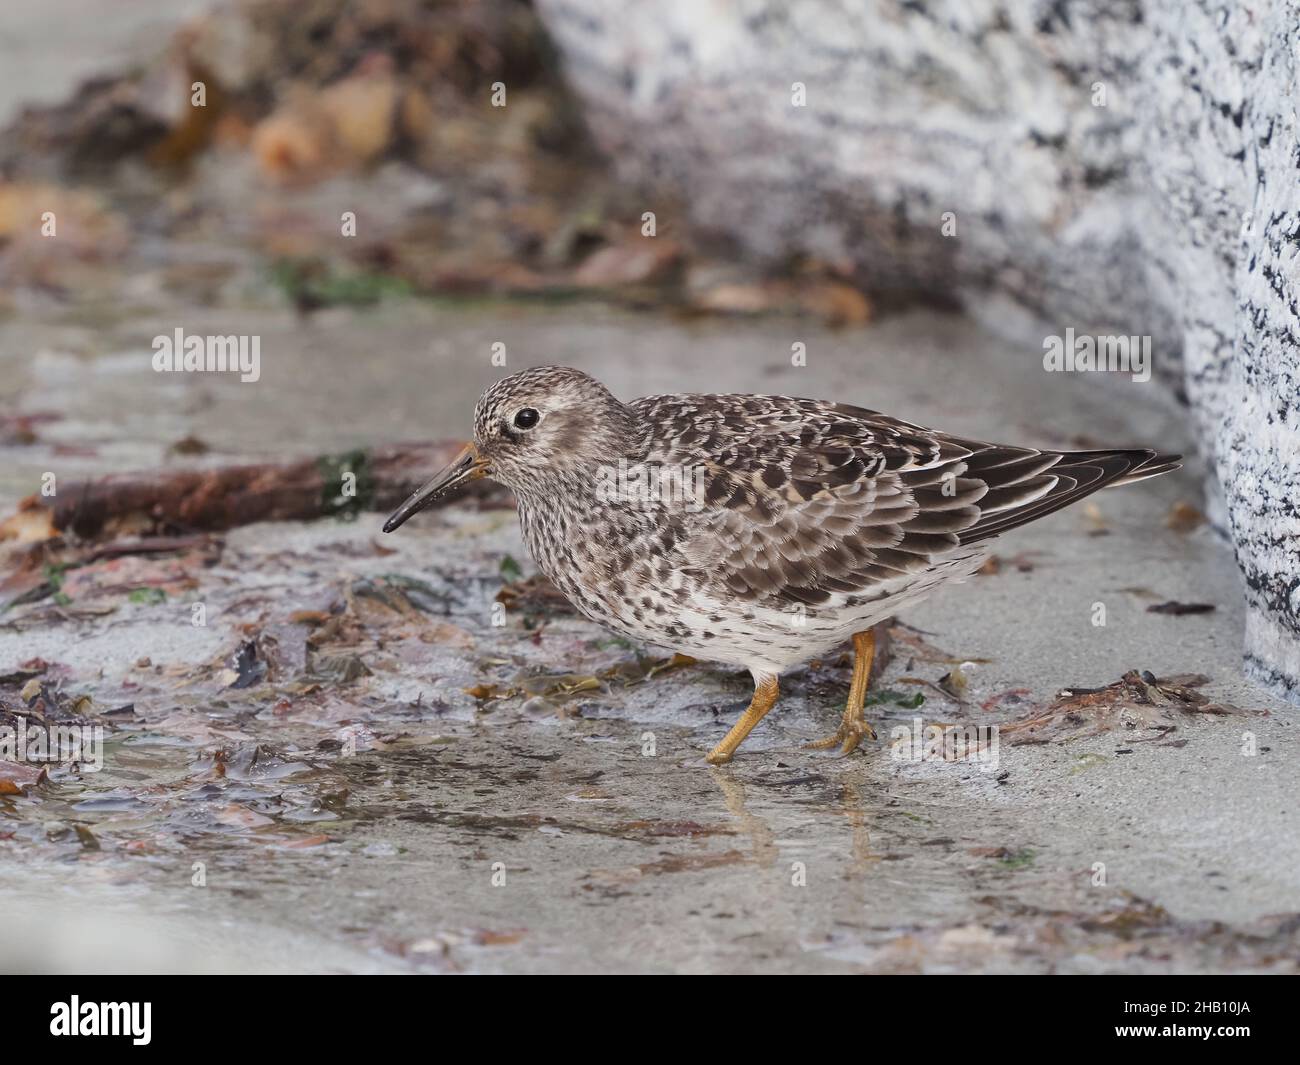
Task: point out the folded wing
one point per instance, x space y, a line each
804 500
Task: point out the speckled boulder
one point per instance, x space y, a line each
1123 167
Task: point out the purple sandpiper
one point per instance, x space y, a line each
760 531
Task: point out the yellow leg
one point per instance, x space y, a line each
853 725
765 694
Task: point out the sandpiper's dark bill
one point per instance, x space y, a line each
465 467
809 521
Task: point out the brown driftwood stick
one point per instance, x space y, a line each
229 496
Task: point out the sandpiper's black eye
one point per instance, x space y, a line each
527 418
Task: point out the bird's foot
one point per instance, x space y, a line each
853 722
765 696
847 737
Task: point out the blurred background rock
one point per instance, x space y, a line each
382 108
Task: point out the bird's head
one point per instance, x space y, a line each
532 431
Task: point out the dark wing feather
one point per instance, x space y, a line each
805 499
1017 496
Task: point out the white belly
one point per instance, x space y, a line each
771 641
